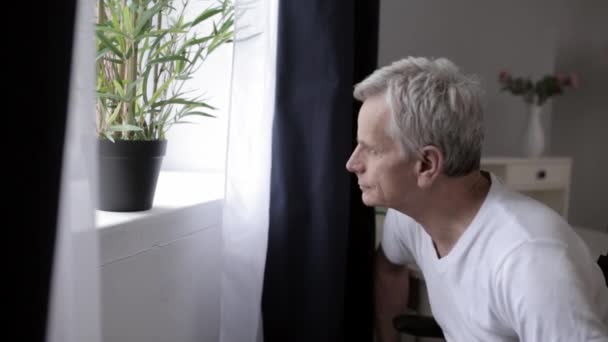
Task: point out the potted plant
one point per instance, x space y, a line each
540 91
146 52
536 94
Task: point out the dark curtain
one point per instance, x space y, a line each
42 60
318 277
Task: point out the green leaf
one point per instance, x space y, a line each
129 52
113 60
214 44
159 91
130 89
168 59
111 96
114 115
197 41
208 13
198 54
192 42
155 44
226 25
126 20
146 18
156 32
101 53
198 114
162 122
145 84
108 44
115 9
109 29
108 136
124 128
160 49
118 88
183 102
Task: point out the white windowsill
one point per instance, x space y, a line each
174 191
184 203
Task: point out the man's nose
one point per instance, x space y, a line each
352 165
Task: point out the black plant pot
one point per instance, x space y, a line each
128 171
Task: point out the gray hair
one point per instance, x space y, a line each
431 103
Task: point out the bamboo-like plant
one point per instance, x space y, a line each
146 52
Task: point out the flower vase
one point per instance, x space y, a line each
534 139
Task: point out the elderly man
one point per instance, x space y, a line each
498 266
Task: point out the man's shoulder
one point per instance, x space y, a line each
517 222
540 281
541 254
524 218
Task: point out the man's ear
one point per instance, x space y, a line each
429 166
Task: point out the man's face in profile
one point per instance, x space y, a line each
383 173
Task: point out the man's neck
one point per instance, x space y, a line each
453 207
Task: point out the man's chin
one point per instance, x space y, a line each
368 201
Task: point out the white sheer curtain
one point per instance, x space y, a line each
74 311
245 219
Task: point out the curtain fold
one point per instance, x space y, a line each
75 308
245 217
38 195
318 275
359 307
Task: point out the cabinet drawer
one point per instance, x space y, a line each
538 175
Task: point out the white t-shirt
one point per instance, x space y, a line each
519 272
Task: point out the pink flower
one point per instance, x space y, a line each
563 79
504 76
574 80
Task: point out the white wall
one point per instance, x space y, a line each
202 146
527 38
482 37
580 117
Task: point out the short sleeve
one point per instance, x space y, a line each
398 237
544 293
